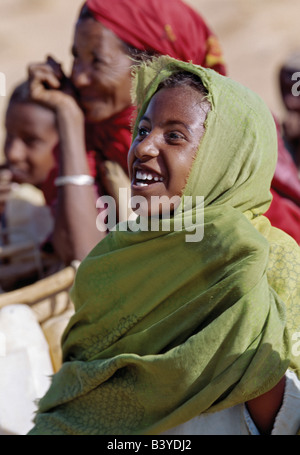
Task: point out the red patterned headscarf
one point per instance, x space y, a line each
165 26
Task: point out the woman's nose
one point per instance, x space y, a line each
80 75
147 148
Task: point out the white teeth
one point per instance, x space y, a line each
141 175
147 176
141 184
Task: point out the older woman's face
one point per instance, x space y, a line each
101 71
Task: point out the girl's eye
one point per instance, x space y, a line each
142 131
31 141
174 136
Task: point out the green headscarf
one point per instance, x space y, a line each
166 329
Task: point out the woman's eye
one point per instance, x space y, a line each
174 136
97 61
142 131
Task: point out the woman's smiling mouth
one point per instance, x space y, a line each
144 178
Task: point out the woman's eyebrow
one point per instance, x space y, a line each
177 122
169 123
144 117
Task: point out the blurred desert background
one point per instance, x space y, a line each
256 36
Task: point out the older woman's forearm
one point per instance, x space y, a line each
75 232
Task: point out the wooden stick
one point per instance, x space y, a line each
42 289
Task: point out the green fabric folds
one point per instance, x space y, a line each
167 329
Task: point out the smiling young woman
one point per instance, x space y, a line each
168 137
174 338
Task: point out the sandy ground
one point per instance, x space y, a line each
256 35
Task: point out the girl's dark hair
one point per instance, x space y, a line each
20 93
181 78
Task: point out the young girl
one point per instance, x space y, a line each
179 337
30 145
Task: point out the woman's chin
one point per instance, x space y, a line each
93 113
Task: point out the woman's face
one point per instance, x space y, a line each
168 138
101 71
31 137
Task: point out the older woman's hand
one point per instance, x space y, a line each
48 84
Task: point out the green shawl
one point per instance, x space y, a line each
167 329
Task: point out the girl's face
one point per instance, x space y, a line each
163 151
101 71
31 138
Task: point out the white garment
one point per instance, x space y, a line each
25 368
237 420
